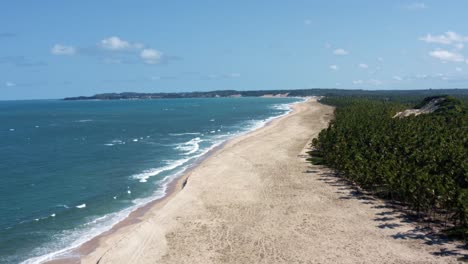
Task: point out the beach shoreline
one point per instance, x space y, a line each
257 199
74 255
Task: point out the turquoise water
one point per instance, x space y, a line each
69 170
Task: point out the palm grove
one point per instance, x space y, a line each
419 161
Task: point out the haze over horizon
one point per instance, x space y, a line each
52 49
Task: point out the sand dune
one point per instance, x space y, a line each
257 200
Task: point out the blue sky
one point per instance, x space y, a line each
54 49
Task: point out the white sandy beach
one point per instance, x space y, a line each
257 200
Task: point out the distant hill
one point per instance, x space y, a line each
389 94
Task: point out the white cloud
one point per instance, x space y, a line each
448 38
415 6
447 56
10 84
380 59
397 78
307 22
59 49
340 52
116 43
459 69
151 56
358 82
334 67
459 46
363 66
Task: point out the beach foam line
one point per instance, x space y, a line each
281 107
97 226
105 223
146 174
183 134
190 146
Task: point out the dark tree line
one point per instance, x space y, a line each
400 95
420 161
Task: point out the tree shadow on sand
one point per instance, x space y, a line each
392 215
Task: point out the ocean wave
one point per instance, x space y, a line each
183 134
283 107
190 146
83 120
70 239
174 164
115 142
81 206
145 175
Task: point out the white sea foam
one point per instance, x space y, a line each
96 220
71 239
84 120
135 140
183 134
12 129
145 175
190 146
97 226
284 107
81 206
115 142
52 215
109 144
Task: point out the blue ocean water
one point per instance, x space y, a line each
69 170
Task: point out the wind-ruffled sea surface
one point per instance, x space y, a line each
70 170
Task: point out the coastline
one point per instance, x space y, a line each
174 186
257 199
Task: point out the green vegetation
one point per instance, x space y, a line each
419 161
399 95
